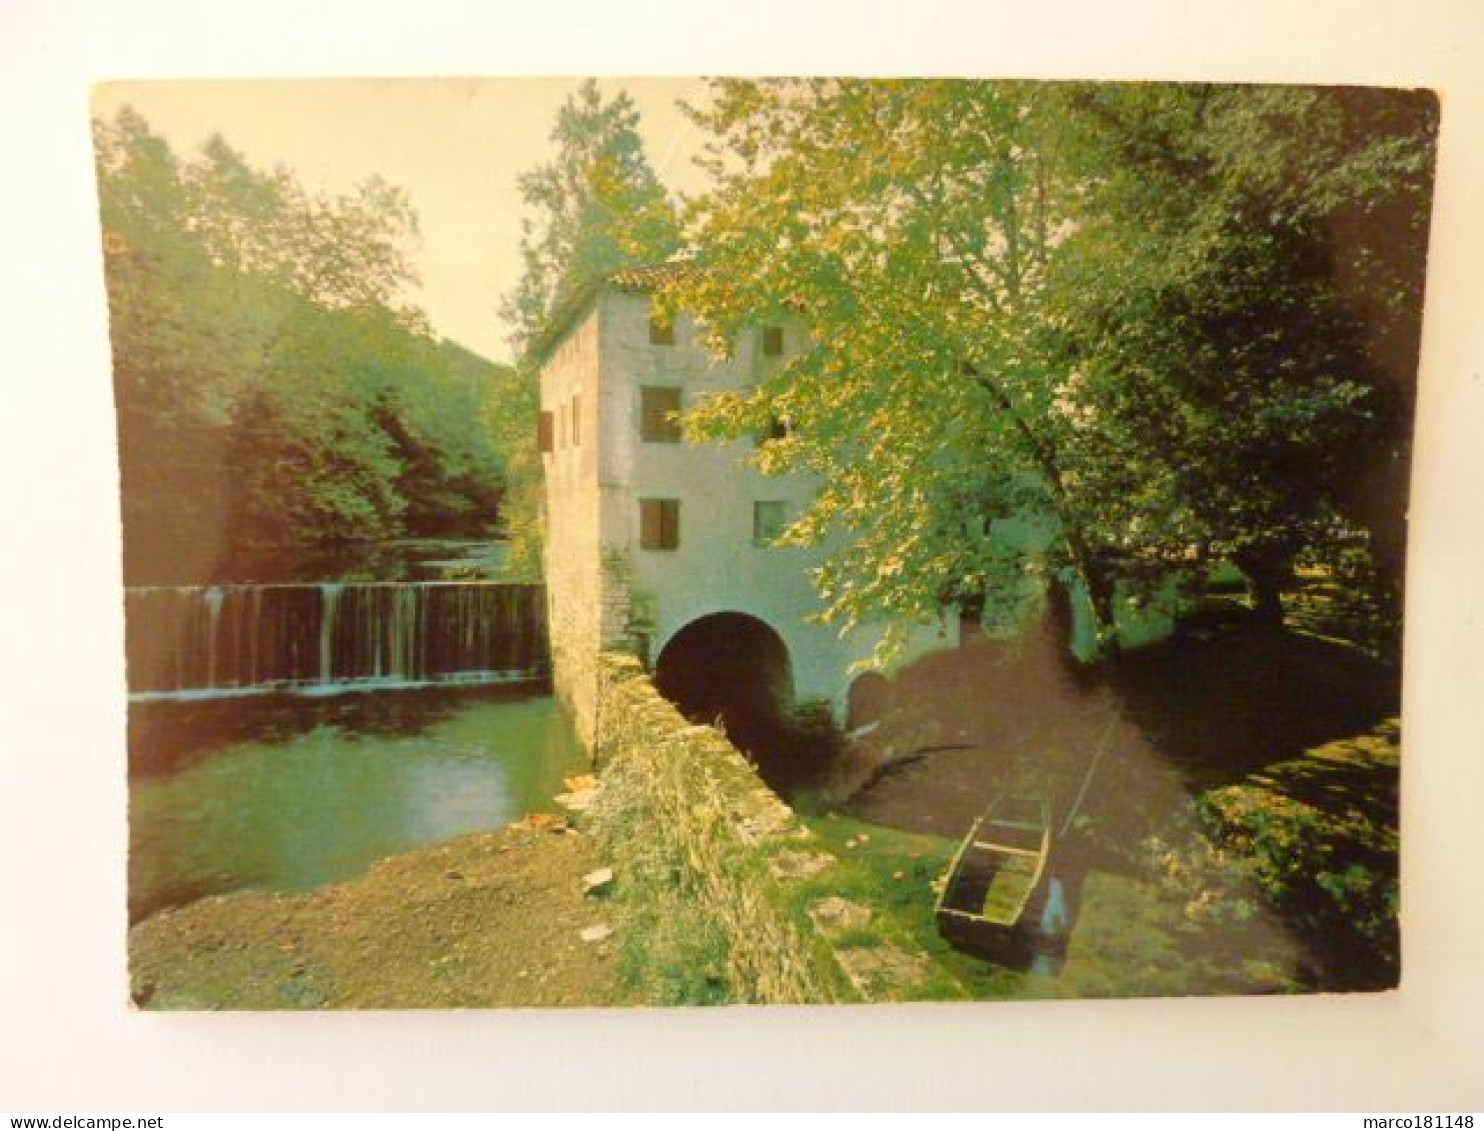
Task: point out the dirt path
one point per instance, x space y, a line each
487 920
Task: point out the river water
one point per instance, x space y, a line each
286 793
303 713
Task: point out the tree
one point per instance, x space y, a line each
273 383
912 225
341 252
1259 344
1081 332
597 206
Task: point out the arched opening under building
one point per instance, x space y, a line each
733 670
868 701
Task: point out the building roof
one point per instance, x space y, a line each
642 278
651 276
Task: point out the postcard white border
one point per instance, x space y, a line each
67 1042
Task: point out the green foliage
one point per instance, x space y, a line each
901 220
673 951
1314 840
1243 361
1345 594
1081 331
273 386
596 206
511 418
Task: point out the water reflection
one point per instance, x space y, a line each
289 794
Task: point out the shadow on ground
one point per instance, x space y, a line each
1173 720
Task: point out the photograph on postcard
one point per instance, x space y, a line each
609 542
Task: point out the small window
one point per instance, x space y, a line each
777 428
661 329
659 414
659 524
544 432
768 522
772 341
576 420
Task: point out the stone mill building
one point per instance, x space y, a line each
663 546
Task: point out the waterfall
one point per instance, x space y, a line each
214 618
329 606
221 640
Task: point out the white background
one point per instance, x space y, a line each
67 1040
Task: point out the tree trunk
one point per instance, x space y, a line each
1268 574
1100 590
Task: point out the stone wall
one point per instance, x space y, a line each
574 574
694 831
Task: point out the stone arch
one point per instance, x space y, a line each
868 700
726 664
734 670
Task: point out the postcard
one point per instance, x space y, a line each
658 542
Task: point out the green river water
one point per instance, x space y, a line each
287 794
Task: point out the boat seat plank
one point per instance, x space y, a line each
986 845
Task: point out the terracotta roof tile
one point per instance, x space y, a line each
646 277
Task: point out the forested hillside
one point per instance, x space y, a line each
275 386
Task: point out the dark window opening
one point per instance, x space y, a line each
772 341
659 524
661 330
659 414
544 432
777 428
769 519
576 418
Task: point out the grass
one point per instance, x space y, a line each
668 953
892 873
1318 835
1264 723
1129 940
1283 740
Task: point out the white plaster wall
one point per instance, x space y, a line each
717 567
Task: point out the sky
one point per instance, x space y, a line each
455 145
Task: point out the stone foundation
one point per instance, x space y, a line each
681 810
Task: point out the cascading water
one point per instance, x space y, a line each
222 640
327 631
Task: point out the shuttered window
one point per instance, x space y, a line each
576 420
659 524
659 414
768 520
544 432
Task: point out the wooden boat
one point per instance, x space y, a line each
994 877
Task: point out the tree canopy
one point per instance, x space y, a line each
1097 333
274 385
595 207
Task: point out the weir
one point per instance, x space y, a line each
224 640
